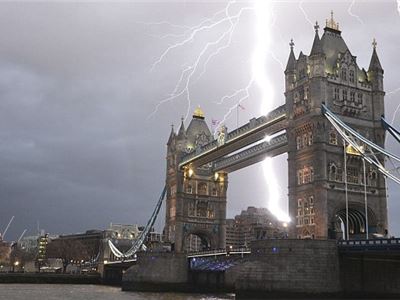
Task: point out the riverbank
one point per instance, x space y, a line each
49 278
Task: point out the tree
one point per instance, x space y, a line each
67 250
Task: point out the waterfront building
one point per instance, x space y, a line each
253 224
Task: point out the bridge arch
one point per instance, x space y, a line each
357 221
198 240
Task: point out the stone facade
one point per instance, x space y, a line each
253 224
331 75
284 267
196 197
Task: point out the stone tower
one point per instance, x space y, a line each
196 197
330 74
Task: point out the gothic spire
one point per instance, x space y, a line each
171 135
181 132
374 64
317 46
292 59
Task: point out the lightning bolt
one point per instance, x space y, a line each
305 14
398 6
186 79
354 15
191 73
391 93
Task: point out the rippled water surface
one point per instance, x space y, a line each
89 292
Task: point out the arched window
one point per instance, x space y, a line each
344 74
189 189
202 188
333 137
351 76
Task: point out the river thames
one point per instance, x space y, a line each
90 292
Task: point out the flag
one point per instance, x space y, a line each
241 106
214 122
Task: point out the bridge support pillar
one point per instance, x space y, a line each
162 272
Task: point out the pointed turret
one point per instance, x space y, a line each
172 135
181 132
375 64
317 45
291 64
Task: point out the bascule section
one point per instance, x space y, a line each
196 195
330 186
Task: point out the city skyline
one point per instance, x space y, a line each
80 145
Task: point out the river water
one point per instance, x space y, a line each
89 292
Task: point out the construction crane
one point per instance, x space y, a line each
8 225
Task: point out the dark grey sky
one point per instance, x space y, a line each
77 149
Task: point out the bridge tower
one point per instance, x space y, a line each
330 74
196 197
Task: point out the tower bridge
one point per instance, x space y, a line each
331 128
319 191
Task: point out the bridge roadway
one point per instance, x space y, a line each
254 131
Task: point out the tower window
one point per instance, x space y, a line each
305 175
359 98
344 74
336 94
351 76
344 95
189 189
202 188
352 96
333 138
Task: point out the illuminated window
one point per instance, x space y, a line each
306 93
333 138
202 188
296 97
353 175
305 175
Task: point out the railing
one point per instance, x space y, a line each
217 252
263 147
371 244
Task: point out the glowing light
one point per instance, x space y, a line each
263 11
274 191
190 172
216 175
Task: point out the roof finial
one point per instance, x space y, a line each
316 27
374 43
331 23
291 44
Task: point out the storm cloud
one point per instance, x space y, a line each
78 149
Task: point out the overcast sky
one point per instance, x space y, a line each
79 145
